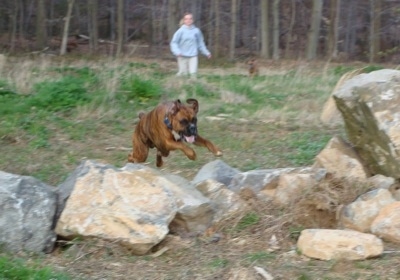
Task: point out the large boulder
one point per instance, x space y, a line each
133 206
370 107
330 114
27 208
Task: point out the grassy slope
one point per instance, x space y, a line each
54 113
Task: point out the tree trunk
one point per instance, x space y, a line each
172 18
334 29
14 23
120 27
66 27
41 32
21 30
276 29
112 20
375 26
216 29
313 33
233 29
93 10
290 30
264 29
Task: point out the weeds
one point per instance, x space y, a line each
13 268
137 88
57 116
250 219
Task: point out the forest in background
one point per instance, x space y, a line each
337 30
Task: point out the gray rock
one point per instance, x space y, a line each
369 104
217 170
27 208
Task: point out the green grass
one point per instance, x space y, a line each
17 269
259 257
305 145
218 263
250 219
73 107
69 113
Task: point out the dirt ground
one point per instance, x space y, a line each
231 249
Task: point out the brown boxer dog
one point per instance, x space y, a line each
166 128
253 67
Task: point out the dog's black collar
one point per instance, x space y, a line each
167 122
169 125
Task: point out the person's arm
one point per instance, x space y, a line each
174 45
201 45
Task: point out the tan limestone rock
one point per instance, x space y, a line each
329 244
291 185
387 224
340 158
131 207
360 214
225 202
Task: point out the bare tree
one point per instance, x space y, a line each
276 29
290 29
216 29
333 28
264 29
41 31
66 27
233 29
172 18
93 27
313 32
14 24
120 27
375 26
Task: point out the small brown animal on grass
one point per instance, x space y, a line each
166 128
253 67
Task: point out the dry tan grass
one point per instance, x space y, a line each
230 249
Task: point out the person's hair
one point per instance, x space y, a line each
185 14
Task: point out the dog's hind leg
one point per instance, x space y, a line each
140 151
159 161
160 155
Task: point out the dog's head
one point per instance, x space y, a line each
183 119
252 64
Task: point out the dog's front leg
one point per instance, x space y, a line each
200 141
189 152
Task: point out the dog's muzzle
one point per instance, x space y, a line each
190 133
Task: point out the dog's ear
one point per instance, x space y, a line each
176 106
194 103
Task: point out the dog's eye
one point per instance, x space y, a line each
194 120
184 122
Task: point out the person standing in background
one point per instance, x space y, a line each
186 44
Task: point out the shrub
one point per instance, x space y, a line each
64 94
136 88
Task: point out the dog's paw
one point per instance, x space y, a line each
191 154
218 154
